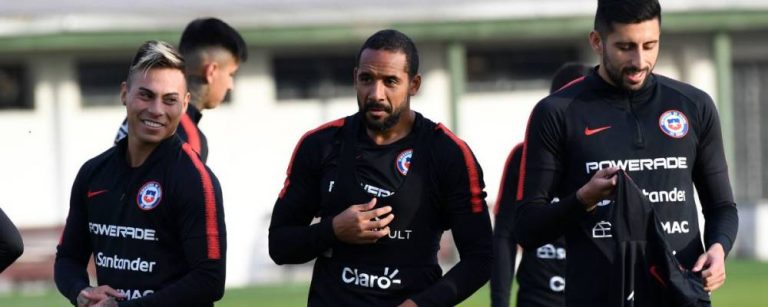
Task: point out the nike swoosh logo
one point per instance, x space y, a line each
94 193
589 132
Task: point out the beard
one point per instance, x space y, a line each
385 123
616 74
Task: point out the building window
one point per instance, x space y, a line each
15 89
100 82
313 77
750 134
495 70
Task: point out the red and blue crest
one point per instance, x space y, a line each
149 195
403 161
674 124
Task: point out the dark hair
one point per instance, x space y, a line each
624 11
567 73
212 32
395 41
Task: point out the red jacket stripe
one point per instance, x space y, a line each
574 81
521 177
474 179
211 223
507 164
193 137
336 123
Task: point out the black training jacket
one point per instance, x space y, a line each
541 273
187 130
11 245
665 135
443 190
156 232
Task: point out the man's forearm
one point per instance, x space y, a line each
299 244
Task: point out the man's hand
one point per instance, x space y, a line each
99 295
357 225
408 303
598 188
108 302
713 263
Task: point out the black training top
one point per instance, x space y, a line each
441 187
187 130
541 273
11 245
665 135
156 231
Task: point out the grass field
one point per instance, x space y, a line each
747 286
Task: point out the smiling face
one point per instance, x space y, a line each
628 53
154 100
384 88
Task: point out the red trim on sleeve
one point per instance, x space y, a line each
336 123
521 177
515 149
656 275
574 81
193 137
211 223
474 179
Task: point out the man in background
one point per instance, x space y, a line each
213 52
541 274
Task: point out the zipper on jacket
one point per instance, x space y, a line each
639 138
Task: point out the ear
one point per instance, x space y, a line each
210 71
414 85
354 76
124 92
596 42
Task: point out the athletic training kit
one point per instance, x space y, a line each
11 245
156 231
187 130
541 274
666 136
433 183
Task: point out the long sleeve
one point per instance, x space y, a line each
200 225
504 241
292 240
541 172
712 183
74 249
11 246
462 196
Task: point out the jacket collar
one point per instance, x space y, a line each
620 96
194 114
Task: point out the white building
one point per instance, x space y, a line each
484 65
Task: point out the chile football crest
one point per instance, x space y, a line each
149 195
673 123
403 161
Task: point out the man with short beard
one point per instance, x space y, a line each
663 133
385 183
